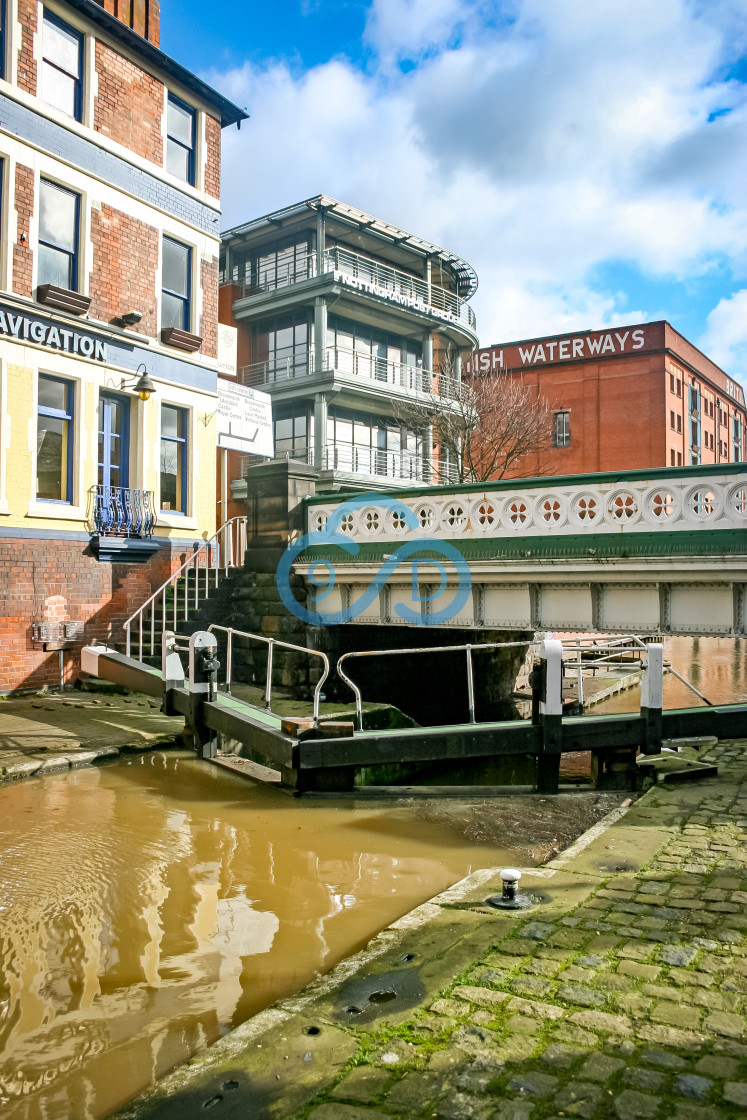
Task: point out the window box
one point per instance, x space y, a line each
182 340
63 298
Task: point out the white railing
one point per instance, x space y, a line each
669 502
271 644
353 363
224 550
402 465
366 274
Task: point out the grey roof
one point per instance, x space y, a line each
466 275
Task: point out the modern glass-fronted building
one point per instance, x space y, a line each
348 322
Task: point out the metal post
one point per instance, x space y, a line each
203 671
320 429
229 655
268 684
580 679
652 698
470 685
551 717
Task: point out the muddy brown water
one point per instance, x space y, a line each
149 906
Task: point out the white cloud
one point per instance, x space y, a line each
539 140
725 338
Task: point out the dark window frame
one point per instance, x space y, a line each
73 254
561 438
55 20
3 38
68 415
182 440
192 163
186 299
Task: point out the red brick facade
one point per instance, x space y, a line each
129 104
57 581
125 260
23 257
27 13
143 16
212 143
209 319
626 393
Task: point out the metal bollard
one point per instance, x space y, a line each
511 897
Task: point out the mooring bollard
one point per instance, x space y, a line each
203 679
511 897
652 698
550 716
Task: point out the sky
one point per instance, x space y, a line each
587 157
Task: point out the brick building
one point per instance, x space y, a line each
634 396
110 174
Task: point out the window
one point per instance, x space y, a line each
59 211
173 459
180 140
293 432
285 262
737 439
561 436
176 286
679 423
679 387
62 66
280 347
3 34
694 398
672 455
671 420
54 440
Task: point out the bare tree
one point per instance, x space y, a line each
482 427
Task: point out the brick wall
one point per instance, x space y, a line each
143 16
209 320
27 13
125 259
129 105
42 580
212 169
23 258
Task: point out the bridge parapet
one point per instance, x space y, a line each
685 500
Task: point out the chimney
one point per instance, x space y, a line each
143 16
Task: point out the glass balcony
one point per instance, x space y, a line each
367 275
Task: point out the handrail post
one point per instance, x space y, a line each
229 654
127 639
268 683
470 686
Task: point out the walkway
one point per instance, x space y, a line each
623 994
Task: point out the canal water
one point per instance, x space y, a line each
149 906
716 666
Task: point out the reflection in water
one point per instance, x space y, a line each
148 907
716 666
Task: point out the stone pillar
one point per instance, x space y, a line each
428 453
320 241
320 429
458 367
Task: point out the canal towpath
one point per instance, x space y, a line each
622 993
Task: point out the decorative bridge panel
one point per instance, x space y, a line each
683 501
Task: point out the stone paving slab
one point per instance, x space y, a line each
44 733
622 994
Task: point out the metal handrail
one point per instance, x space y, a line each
468 649
227 546
616 645
367 269
375 461
229 631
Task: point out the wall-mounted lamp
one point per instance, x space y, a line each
131 318
143 386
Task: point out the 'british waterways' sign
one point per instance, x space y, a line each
32 328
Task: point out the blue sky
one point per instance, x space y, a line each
588 157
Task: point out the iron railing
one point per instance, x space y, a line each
610 654
352 363
370 275
402 465
224 550
118 511
271 643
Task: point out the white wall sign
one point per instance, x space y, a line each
227 350
244 420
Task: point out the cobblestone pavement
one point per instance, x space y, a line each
630 1005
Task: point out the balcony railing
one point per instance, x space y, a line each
402 465
367 275
352 363
116 511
